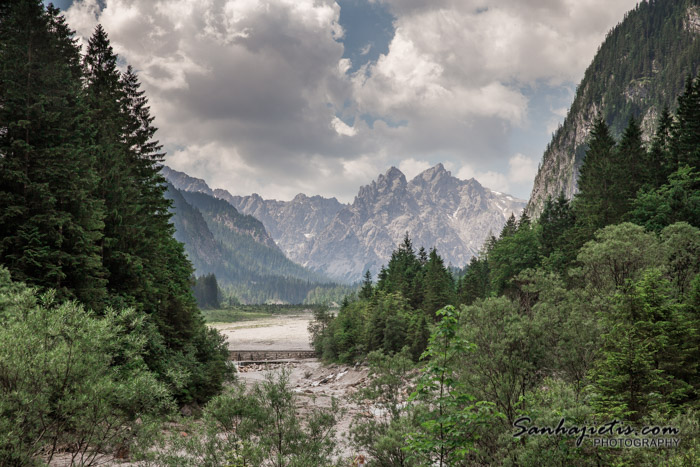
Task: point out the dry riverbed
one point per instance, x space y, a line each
283 332
315 384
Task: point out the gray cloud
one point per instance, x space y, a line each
246 92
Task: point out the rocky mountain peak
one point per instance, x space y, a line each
434 174
392 180
394 173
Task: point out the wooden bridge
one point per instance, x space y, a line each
243 357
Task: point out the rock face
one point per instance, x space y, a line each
639 69
343 241
435 209
291 223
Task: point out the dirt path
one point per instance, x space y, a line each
285 332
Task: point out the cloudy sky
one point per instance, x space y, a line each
279 97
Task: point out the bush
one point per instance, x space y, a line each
71 381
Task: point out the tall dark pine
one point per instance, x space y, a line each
367 289
685 134
628 167
510 227
598 194
105 95
147 267
438 288
659 163
50 220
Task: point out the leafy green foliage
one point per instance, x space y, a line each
256 427
383 436
448 426
678 200
68 377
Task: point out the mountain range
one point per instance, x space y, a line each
342 241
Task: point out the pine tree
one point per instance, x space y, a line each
659 164
685 133
147 267
510 227
628 167
475 282
439 288
367 289
50 221
595 203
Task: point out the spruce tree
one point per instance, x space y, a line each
628 168
510 227
367 289
147 267
50 221
438 288
685 134
595 203
659 163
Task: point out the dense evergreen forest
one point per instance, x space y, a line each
109 330
590 313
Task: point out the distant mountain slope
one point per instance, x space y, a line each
245 241
291 223
435 208
639 69
237 249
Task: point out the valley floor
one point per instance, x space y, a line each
282 332
315 383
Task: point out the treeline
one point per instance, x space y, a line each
393 314
590 314
82 207
290 290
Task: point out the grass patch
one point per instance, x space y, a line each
252 312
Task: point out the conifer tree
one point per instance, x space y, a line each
659 163
367 289
628 167
50 221
510 227
438 285
475 282
596 200
685 134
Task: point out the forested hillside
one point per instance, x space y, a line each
638 71
590 313
236 248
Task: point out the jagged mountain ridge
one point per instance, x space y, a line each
639 69
291 223
344 240
434 208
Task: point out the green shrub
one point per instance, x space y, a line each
71 381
